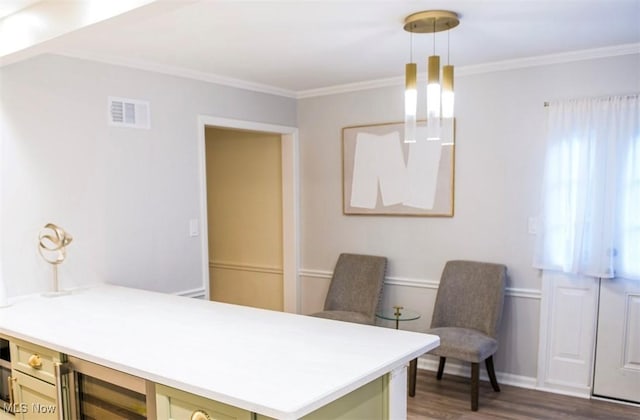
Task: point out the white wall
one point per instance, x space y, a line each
126 195
499 152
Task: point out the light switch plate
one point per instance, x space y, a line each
194 227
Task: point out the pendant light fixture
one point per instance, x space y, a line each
447 86
410 98
439 96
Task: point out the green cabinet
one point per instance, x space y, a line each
40 390
174 404
367 402
36 388
37 381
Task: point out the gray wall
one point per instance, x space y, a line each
126 195
499 154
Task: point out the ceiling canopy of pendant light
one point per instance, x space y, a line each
431 21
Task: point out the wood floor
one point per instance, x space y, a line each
449 399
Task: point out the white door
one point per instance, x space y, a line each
617 368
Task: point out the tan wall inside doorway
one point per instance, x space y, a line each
244 204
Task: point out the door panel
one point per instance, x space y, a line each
250 286
617 368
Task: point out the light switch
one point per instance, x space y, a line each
194 227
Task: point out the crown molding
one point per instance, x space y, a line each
544 60
355 87
461 71
179 72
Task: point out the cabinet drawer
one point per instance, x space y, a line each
34 360
35 399
173 404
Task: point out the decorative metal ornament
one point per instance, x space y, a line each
53 241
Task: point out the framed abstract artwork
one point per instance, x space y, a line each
383 175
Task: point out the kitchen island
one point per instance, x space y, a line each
269 364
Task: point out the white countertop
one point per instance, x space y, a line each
273 363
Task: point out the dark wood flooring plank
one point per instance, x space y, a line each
448 399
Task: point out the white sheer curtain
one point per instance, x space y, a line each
590 221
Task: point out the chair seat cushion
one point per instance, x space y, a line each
347 316
463 344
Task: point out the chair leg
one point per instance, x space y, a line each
475 383
413 371
492 374
441 367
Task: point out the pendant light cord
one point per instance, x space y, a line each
448 51
411 47
434 37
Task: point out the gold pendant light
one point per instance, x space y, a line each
410 102
439 97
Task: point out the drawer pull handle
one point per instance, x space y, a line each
10 381
35 361
200 415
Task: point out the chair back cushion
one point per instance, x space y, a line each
470 295
357 283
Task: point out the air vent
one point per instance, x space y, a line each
129 113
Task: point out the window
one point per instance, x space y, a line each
590 221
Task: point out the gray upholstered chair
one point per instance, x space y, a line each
355 289
467 315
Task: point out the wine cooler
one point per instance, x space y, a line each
106 394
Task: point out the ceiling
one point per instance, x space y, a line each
8 7
297 46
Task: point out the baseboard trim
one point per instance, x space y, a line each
198 293
586 394
456 368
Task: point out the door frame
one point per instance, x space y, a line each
290 202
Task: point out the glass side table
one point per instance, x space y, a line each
397 314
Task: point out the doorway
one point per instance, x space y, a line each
244 217
289 198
